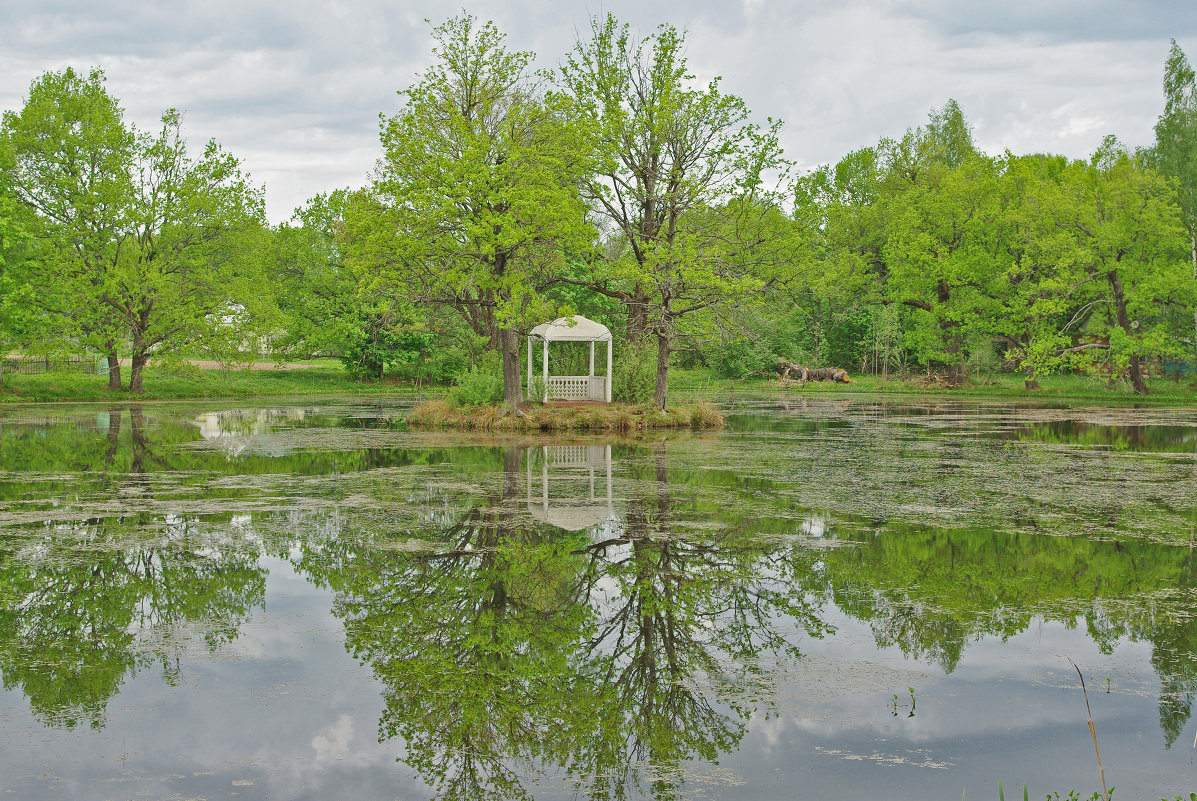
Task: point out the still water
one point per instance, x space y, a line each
832 599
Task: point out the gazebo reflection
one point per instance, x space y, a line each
573 504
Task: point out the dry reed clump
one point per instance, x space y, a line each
533 417
706 415
433 414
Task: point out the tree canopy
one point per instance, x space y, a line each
619 186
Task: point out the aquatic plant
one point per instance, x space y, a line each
1092 731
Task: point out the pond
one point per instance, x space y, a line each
833 598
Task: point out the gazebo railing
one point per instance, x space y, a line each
578 387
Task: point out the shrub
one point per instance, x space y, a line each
706 415
481 385
635 368
741 358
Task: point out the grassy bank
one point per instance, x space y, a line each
327 378
313 381
442 414
1163 391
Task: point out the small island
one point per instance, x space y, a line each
621 417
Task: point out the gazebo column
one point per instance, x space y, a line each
610 342
546 370
528 394
590 380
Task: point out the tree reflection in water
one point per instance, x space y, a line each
85 604
516 649
514 653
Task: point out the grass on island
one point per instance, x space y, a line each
621 417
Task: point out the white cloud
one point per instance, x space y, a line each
295 89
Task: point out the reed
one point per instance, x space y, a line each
1092 731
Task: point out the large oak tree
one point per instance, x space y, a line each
475 199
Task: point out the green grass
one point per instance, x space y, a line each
326 377
195 383
1162 391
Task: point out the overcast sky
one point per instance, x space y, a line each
295 88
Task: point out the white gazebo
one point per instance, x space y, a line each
571 387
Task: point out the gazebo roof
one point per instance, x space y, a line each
572 329
571 518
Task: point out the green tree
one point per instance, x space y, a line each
909 223
941 257
1120 258
68 156
326 309
147 244
183 267
1176 146
18 319
475 199
679 186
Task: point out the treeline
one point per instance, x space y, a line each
613 186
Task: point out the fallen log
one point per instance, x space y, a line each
786 368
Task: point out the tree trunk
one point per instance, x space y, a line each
662 370
637 314
114 435
1135 369
141 443
513 391
950 331
137 368
1193 247
114 369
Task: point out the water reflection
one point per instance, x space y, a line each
588 617
85 606
570 465
610 655
682 625
472 642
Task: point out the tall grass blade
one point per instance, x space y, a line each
1092 731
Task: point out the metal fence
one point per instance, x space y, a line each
30 365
